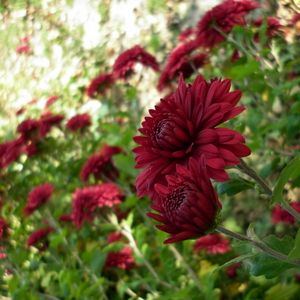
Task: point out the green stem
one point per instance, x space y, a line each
259 245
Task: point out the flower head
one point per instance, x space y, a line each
10 151
231 271
99 85
183 125
222 17
47 121
38 197
29 129
100 164
122 259
273 26
79 122
212 244
124 64
279 215
187 205
39 238
85 201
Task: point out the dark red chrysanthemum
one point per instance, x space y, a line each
124 64
212 244
122 259
100 164
99 85
86 200
222 17
187 205
3 228
39 238
29 129
183 125
79 122
10 151
231 271
279 215
38 197
51 100
47 121
181 62
114 237
273 26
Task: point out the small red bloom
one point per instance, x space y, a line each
120 259
223 17
10 151
39 238
29 129
124 64
47 121
38 197
183 125
231 271
273 26
79 122
86 200
99 85
51 100
181 62
100 164
114 237
188 205
186 34
279 215
212 244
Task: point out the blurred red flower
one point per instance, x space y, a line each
124 64
51 100
79 122
222 17
38 238
29 129
99 85
183 125
24 46
295 19
38 197
114 237
273 26
212 244
186 34
188 205
10 151
3 228
100 164
122 259
47 121
231 271
279 215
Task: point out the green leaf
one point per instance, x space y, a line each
234 186
238 72
291 171
282 291
295 252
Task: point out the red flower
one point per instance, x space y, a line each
39 238
124 64
273 25
47 121
183 125
51 100
66 218
101 164
279 215
86 200
223 16
179 61
29 129
114 237
295 19
80 121
120 259
31 149
212 244
10 151
186 34
231 271
187 207
3 228
38 197
99 85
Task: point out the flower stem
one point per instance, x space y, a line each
259 245
191 272
285 205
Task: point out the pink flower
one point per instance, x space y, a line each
212 244
51 100
79 122
295 19
24 46
39 238
38 197
120 259
279 215
222 17
99 85
100 164
124 64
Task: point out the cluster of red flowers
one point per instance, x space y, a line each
122 68
181 148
